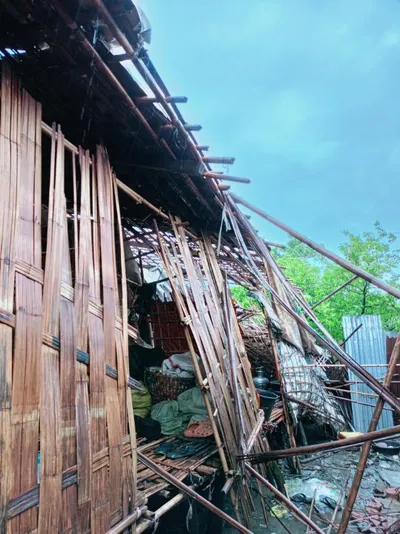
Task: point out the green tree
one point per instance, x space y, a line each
374 251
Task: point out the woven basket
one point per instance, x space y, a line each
163 387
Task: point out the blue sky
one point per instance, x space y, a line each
304 93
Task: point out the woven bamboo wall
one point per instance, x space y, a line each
63 337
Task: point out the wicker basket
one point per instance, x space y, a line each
163 387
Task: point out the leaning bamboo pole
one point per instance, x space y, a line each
132 469
394 357
332 347
50 420
193 354
330 255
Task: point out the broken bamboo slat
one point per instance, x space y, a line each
330 255
50 420
394 357
83 427
68 364
130 464
100 504
191 493
108 278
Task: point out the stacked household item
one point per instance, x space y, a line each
170 403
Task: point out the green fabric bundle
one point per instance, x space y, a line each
141 402
172 421
191 402
175 415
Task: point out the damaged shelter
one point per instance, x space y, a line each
126 382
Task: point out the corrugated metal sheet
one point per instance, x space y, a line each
367 347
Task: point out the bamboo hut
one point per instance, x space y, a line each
103 185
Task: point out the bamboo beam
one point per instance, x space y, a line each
217 176
225 161
223 187
191 493
202 148
327 446
140 200
152 99
334 292
192 127
298 513
318 248
351 499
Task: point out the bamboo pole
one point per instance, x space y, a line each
334 292
327 446
226 178
298 513
338 504
330 255
367 446
191 493
128 521
311 509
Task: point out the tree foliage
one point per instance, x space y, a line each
374 251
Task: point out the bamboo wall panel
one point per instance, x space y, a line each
64 384
28 304
9 149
